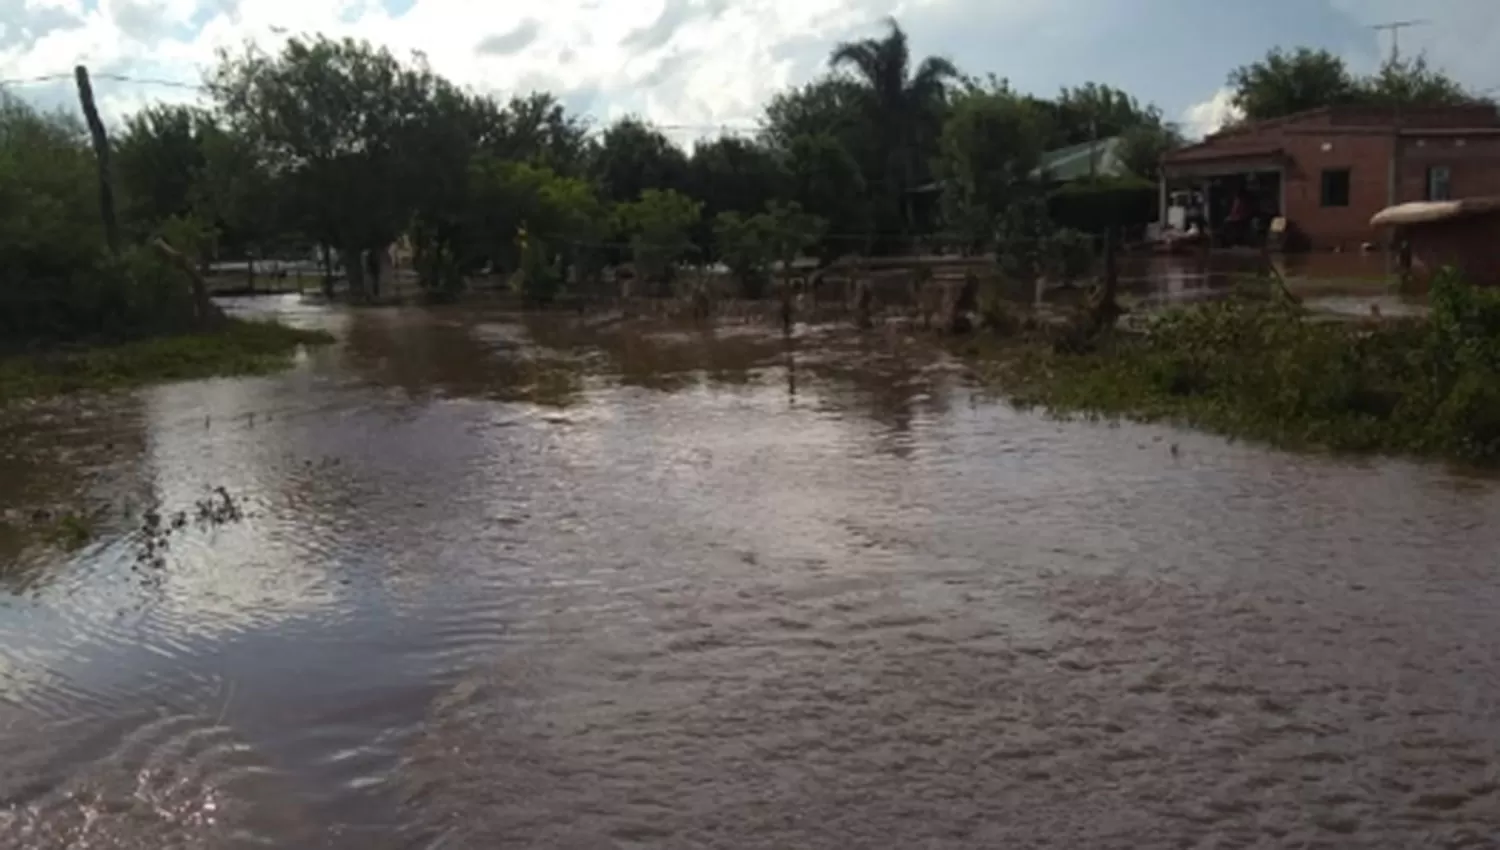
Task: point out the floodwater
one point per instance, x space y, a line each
500 582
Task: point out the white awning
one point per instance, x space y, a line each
1429 212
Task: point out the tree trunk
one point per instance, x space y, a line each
1107 309
354 272
327 272
206 313
101 153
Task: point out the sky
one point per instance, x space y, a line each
702 67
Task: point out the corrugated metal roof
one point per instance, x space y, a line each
1097 159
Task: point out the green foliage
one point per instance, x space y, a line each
1095 206
659 224
1285 82
990 144
825 180
733 175
1262 370
744 244
158 164
57 283
1095 111
348 124
237 348
1411 81
752 245
634 158
904 106
1142 149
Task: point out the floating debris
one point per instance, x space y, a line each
154 536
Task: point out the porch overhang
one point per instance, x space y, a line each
1206 162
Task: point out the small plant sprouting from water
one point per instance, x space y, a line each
156 531
71 532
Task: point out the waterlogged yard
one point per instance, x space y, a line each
476 579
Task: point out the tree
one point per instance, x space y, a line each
1286 82
825 180
990 144
905 107
1142 148
158 162
344 120
733 175
752 243
744 244
660 224
58 283
1095 111
633 158
836 106
1402 82
535 128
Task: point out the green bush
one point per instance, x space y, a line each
1261 369
57 282
1095 206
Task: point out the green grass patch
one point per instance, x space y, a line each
236 348
1259 370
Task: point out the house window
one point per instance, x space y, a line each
1336 187
1439 183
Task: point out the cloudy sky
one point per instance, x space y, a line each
701 64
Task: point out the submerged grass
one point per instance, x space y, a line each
1260 370
236 348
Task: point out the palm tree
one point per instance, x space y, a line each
906 108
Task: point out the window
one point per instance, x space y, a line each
1439 183
1336 187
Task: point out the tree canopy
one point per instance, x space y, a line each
1288 81
340 147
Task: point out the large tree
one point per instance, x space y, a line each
1291 81
158 161
1405 82
905 103
1286 82
345 122
1096 111
633 157
733 175
990 144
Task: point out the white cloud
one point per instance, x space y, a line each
696 62
1200 119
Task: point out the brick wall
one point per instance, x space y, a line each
1355 139
1367 157
1473 163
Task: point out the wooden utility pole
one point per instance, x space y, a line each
101 152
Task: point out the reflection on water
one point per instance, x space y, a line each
551 582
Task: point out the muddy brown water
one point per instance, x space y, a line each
513 582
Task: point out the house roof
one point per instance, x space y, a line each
1099 158
1207 152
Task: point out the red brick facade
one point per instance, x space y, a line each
1464 140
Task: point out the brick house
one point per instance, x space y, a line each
1328 171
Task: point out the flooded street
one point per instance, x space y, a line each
503 581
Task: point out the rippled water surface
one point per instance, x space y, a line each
520 582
